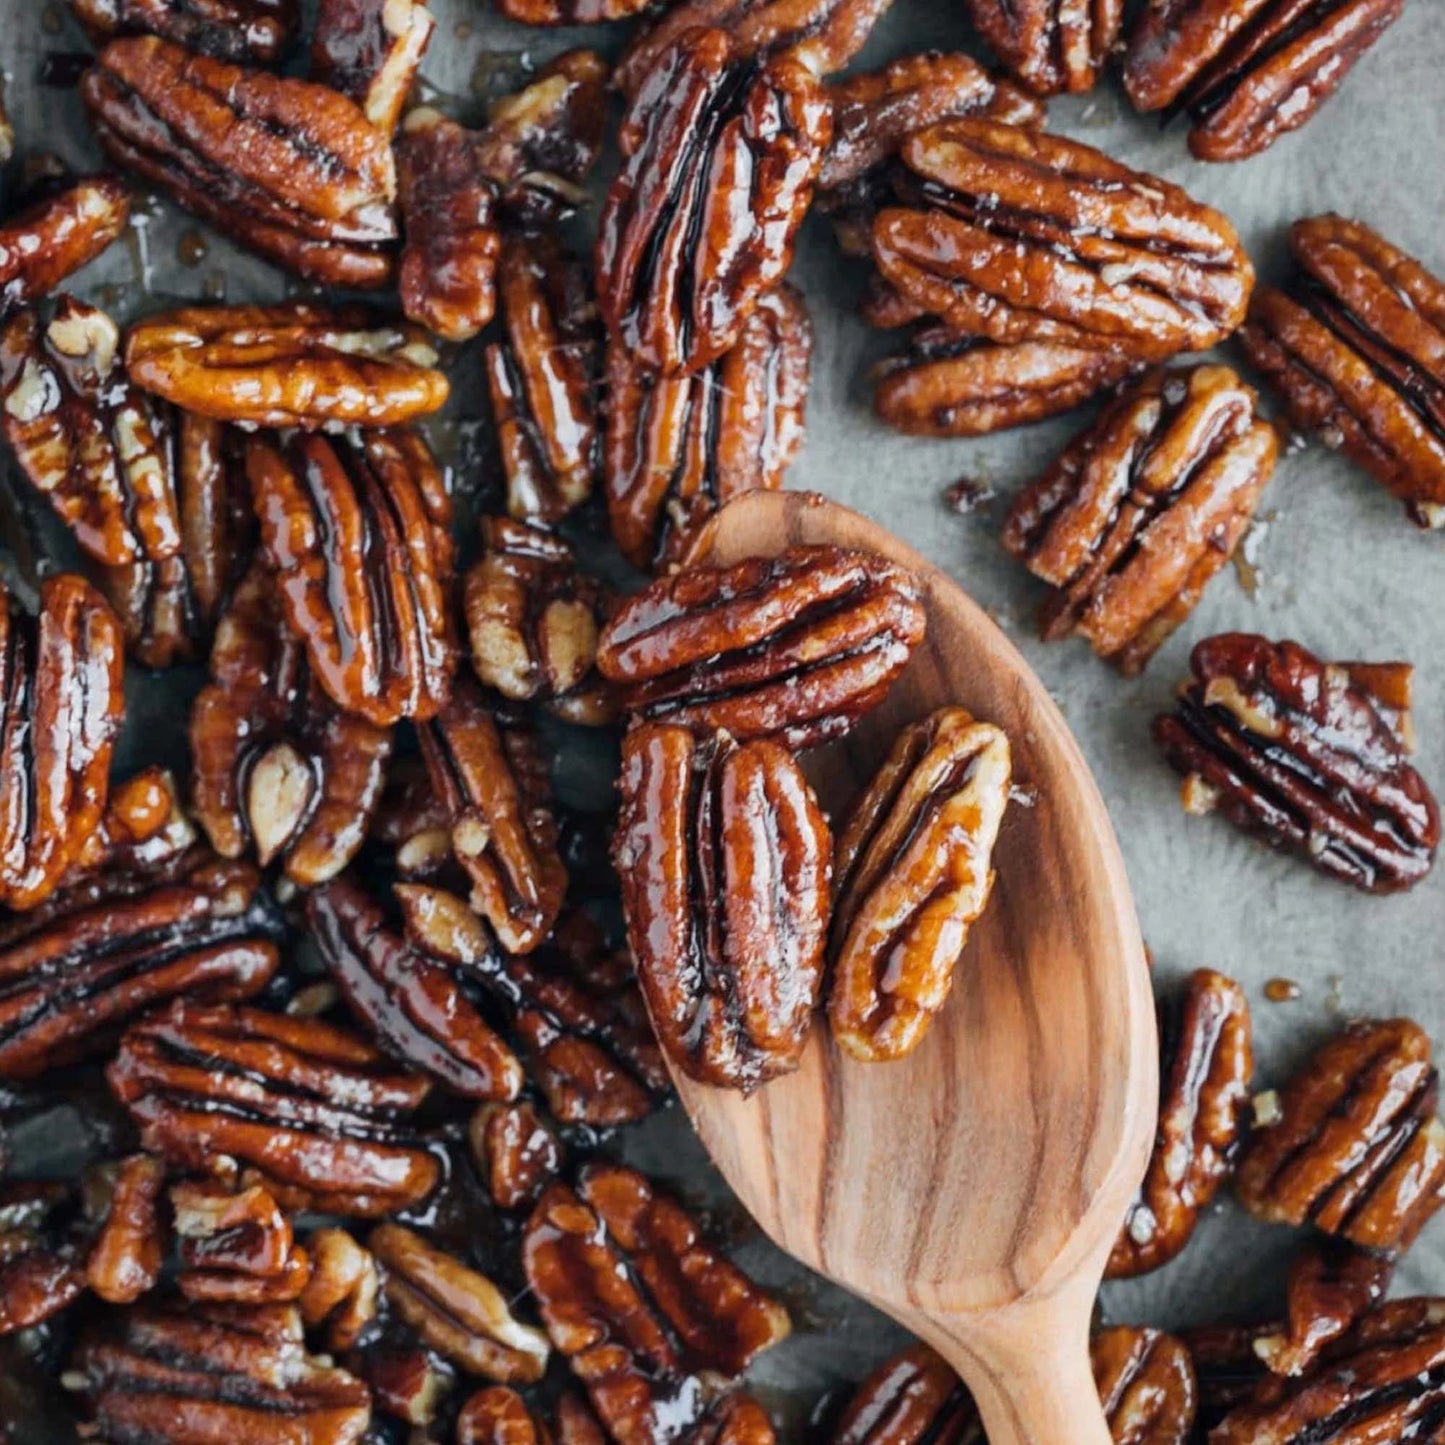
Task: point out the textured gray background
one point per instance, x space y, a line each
1336 566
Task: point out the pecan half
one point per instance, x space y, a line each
340 1296
357 532
1208 1062
1292 749
64 227
235 1247
125 1260
290 169
40 1272
678 447
236 30
304 1104
499 1416
914 872
370 50
1248 73
1141 510
795 647
1018 235
516 1152
1146 1384
720 152
1358 1149
914 1398
1049 46
724 860
290 365
1356 347
736 1419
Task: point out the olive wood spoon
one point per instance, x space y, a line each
973 1189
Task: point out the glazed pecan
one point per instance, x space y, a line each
1141 510
144 836
795 647
914 872
215 1373
1356 347
736 1419
304 1104
720 152
516 1152
1294 750
237 30
64 226
370 51
408 1382
40 1271
291 365
235 1247
340 1296
1248 71
1207 1052
914 1398
724 860
357 531
1357 1149
499 1416
1018 235
1146 1384
575 1423
569 12
1051 47
678 447
457 1312
291 169
1227 1369
125 1260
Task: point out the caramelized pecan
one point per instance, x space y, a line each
1227 1369
678 447
65 226
340 1296
499 1416
795 647
408 1382
914 1398
1292 749
304 1104
144 836
125 1260
914 872
724 860
720 152
736 1419
40 1273
1051 47
1141 510
1146 1384
516 1152
1357 1149
569 12
237 30
235 1247
370 51
1207 1064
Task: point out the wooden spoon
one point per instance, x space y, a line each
973 1189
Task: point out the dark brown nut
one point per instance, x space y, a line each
60 681
304 1104
341 1294
1357 1148
408 1382
357 532
236 30
63 228
544 379
235 1247
1017 235
1356 347
408 805
1050 47
720 153
291 365
516 1151
736 1419
276 765
1291 749
1207 1049
1140 511
678 447
912 1399
457 1312
40 1273
1226 1367
1146 1384
215 1373
723 855
795 647
1248 71
914 872
499 1416
885 308
125 1260
370 50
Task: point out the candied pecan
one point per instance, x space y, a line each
575 1423
914 872
341 1293
60 681
795 647
1051 47
720 152
457 1312
1291 749
303 1103
914 1398
144 833
1248 71
68 224
237 30
1356 347
1358 1149
569 12
1146 1384
290 365
1017 235
215 1373
235 1246
370 50
357 531
499 1416
724 860
1208 1060
40 1273
516 1151
678 447
125 1260
1227 1368
736 1419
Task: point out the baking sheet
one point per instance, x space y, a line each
1331 562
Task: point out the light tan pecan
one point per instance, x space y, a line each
341 1294
1051 47
370 50
67 224
913 1398
516 1151
237 30
499 1416
41 1271
678 447
236 1246
1146 1384
125 1260
1140 511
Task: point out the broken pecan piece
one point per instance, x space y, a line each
499 1416
370 50
1146 1384
724 860
144 836
125 1260
678 447
67 224
235 1247
340 1296
1141 510
915 870
40 1272
914 1398
516 1152
796 647
236 30
720 152
1051 47
569 12
1357 1150
1292 749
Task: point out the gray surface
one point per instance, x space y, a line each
1338 567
